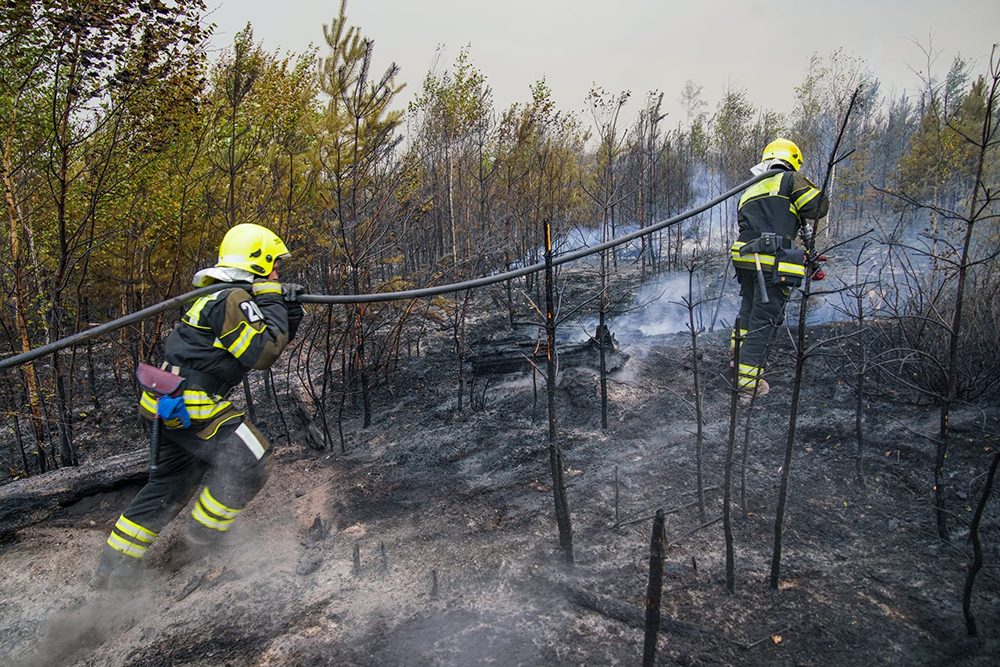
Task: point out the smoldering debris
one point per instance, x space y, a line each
521 351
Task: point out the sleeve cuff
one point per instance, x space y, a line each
266 287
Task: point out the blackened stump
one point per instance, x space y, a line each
654 591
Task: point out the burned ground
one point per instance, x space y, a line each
452 518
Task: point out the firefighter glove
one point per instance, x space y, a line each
291 291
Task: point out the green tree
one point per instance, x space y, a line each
103 58
358 144
262 112
27 50
732 137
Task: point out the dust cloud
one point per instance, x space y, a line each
70 634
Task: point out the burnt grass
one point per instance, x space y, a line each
451 516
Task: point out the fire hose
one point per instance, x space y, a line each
114 325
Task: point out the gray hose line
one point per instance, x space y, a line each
114 325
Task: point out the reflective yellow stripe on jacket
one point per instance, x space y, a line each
767 188
193 315
789 268
749 262
807 197
200 405
238 340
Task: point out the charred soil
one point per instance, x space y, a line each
436 541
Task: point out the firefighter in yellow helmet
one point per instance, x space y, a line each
219 339
772 213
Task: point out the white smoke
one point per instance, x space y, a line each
659 308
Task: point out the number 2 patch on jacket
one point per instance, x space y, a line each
252 312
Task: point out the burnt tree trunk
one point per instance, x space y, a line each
800 364
602 323
800 361
727 494
940 454
859 419
555 451
698 402
461 310
248 397
654 591
977 548
601 333
745 457
34 499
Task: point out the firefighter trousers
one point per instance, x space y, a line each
757 321
237 455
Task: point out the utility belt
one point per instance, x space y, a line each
779 262
180 397
169 401
769 238
206 382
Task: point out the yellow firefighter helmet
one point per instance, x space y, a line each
783 149
252 248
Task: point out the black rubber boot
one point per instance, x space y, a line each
116 570
200 541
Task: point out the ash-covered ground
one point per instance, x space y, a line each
452 520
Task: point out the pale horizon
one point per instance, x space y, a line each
635 45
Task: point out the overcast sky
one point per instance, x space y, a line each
636 45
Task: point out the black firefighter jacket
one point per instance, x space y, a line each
219 339
779 204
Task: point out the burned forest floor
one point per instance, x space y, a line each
432 540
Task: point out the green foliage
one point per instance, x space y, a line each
356 144
940 163
127 154
732 135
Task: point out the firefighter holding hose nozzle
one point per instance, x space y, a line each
772 213
219 339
